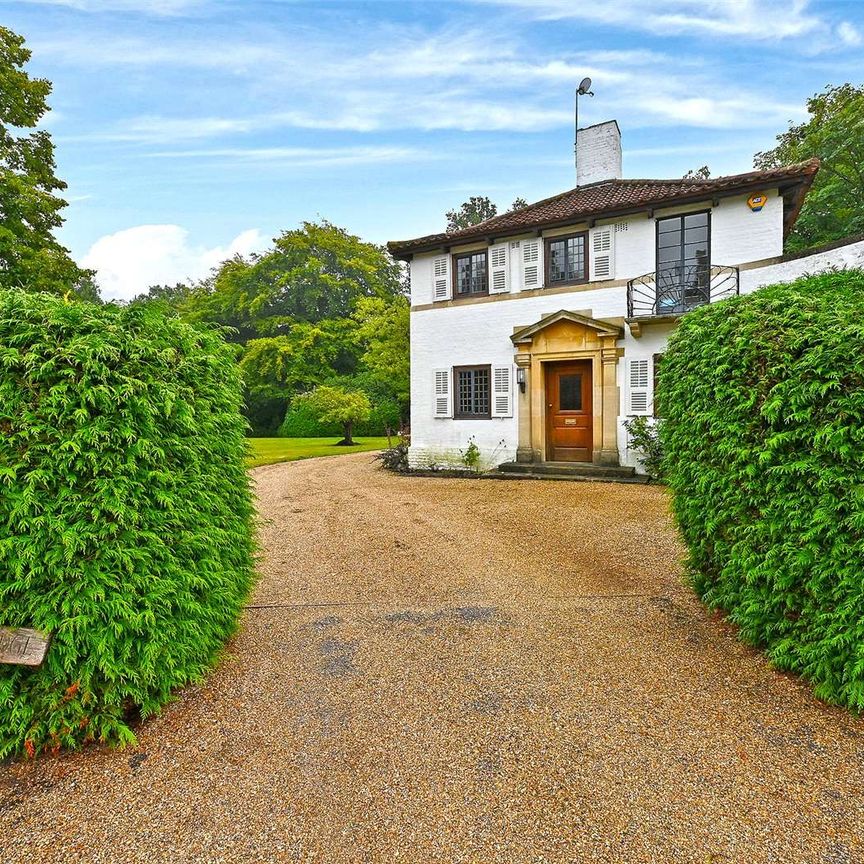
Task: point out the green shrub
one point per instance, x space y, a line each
643 435
125 514
763 400
301 422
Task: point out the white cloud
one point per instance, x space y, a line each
849 34
148 7
130 261
760 20
304 157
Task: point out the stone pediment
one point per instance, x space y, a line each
597 328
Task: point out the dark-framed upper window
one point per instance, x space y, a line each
471 389
683 262
470 272
567 259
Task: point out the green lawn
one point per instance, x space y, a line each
266 451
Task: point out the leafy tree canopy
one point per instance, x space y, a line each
30 256
312 273
835 133
320 306
336 405
477 209
702 173
382 334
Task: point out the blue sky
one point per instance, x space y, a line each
189 129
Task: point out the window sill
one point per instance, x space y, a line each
571 283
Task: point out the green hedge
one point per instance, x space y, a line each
763 397
299 422
125 513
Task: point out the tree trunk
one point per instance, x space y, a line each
348 430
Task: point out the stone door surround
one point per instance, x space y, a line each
560 336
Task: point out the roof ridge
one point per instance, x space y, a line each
592 200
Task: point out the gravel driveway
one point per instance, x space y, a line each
463 671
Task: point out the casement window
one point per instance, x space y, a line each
683 262
567 260
471 274
472 391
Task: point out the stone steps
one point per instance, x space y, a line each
580 471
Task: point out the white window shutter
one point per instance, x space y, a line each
602 253
532 264
499 269
502 391
442 395
639 386
441 278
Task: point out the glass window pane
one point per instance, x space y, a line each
570 393
696 219
667 226
567 259
481 391
695 235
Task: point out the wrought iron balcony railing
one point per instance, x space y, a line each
673 292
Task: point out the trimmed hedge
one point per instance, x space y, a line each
300 422
125 513
763 397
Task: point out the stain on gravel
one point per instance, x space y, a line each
837 853
136 760
489 765
489 704
460 614
338 657
326 623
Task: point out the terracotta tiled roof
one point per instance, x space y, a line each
612 197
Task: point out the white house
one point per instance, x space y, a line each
535 333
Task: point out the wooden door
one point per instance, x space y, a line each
569 411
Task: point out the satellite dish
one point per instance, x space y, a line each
584 86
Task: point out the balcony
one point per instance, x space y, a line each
657 300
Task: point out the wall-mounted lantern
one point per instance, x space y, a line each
520 378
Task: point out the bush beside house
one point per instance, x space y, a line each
125 516
763 400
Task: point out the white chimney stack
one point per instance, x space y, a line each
598 153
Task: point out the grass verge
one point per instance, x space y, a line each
266 451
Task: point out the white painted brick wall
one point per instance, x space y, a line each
598 153
479 333
785 271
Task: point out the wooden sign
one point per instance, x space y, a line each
23 647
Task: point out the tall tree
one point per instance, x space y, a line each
471 212
312 273
30 256
383 335
312 309
835 133
702 173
